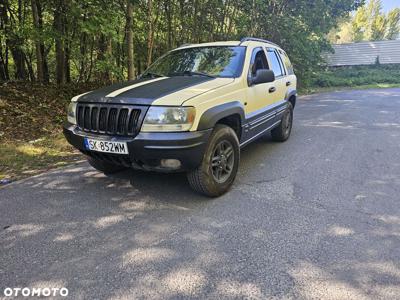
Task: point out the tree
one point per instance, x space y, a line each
100 40
376 22
129 34
369 23
12 21
59 27
393 24
360 24
378 28
39 46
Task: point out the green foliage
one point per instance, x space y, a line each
369 23
356 76
20 159
393 24
91 35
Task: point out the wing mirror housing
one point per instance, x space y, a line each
263 76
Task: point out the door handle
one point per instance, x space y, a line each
272 89
288 83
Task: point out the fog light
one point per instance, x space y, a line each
170 163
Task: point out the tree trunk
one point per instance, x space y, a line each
89 73
38 46
104 53
82 51
129 40
68 40
45 67
60 53
253 18
109 56
13 42
19 61
168 12
46 73
3 64
31 73
150 37
67 65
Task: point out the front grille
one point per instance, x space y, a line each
109 119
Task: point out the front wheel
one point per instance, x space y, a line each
220 163
281 133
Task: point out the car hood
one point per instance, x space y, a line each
157 91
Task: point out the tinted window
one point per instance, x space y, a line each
286 61
258 61
218 61
274 62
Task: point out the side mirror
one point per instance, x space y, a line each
263 76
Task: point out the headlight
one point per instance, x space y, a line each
72 113
159 119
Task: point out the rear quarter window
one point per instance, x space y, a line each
287 62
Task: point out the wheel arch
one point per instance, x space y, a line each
230 114
291 96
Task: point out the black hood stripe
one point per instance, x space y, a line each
118 92
165 87
102 92
145 94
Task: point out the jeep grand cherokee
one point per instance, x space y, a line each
192 110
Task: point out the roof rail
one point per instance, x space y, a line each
246 39
185 45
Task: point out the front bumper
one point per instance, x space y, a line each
147 150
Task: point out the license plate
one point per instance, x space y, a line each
106 146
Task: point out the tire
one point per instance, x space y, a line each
220 163
281 133
105 167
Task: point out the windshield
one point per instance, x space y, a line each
220 61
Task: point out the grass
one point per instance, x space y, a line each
19 159
31 118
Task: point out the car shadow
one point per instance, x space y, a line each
176 186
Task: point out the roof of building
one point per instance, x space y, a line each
364 53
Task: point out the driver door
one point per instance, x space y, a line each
260 97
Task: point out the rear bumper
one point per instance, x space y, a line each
147 150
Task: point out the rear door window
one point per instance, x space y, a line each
275 64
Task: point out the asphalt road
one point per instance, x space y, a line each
315 217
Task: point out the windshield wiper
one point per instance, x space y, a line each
191 73
152 75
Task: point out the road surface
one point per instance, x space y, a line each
315 217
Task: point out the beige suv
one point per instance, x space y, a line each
192 110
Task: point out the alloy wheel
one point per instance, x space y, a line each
222 161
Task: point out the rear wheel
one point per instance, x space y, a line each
220 163
281 133
105 167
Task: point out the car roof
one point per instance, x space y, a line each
243 42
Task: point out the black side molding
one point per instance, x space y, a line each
213 115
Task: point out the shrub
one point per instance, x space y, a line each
354 76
